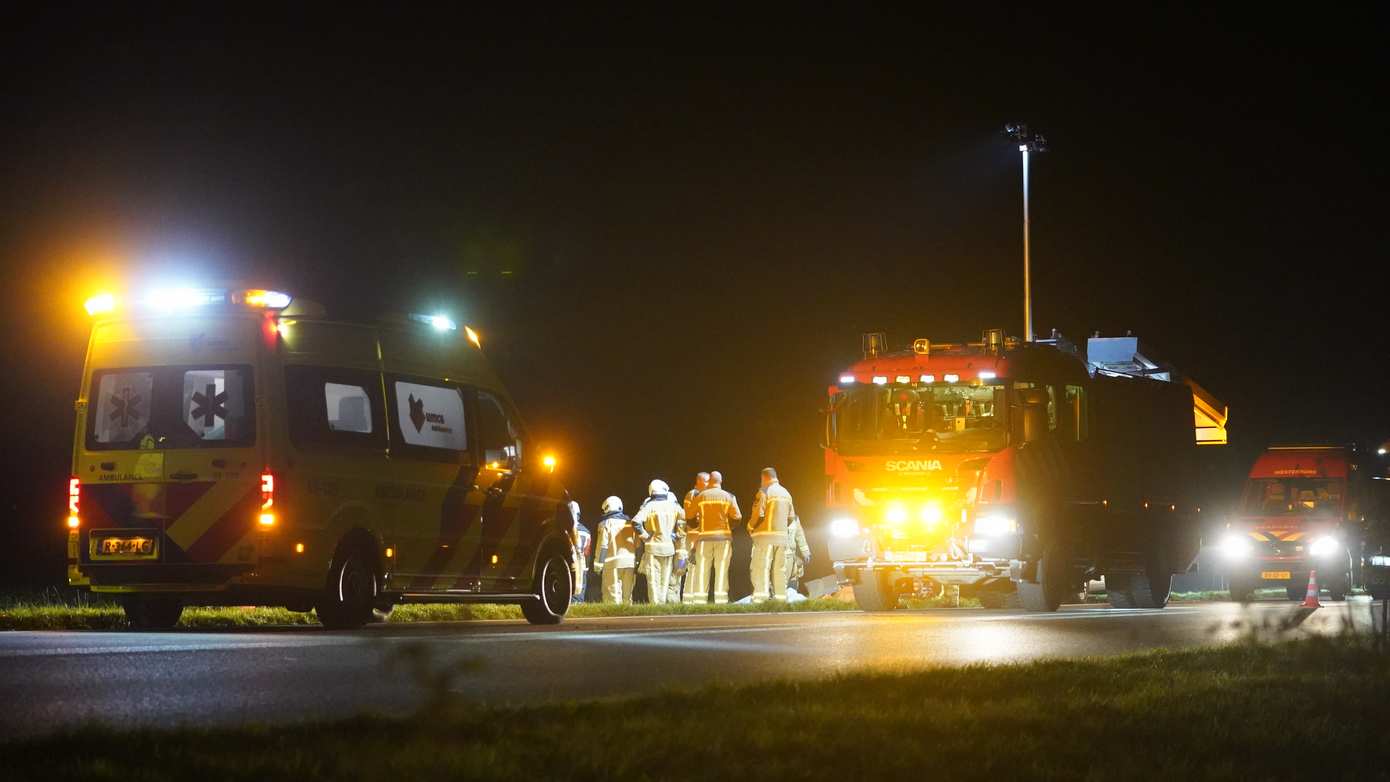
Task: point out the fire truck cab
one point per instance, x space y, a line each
1016 471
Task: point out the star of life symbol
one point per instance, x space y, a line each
209 406
417 412
125 408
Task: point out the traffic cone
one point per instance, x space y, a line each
1311 600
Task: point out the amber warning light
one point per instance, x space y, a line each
267 517
74 503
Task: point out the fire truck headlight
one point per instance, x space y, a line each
844 527
896 514
1234 545
994 525
931 514
1325 546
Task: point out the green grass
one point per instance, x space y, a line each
71 610
1300 710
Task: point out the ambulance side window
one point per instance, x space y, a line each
498 434
429 422
334 407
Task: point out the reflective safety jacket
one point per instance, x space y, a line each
712 510
661 524
772 508
798 551
617 541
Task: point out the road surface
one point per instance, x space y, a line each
53 680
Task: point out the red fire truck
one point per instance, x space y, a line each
1305 507
1016 470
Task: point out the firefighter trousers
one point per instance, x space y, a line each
711 568
768 570
659 577
617 584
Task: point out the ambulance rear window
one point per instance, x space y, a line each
171 407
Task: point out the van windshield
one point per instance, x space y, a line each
171 407
1294 496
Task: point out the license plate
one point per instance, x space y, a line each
1275 575
905 556
140 547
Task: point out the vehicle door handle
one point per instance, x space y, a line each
183 476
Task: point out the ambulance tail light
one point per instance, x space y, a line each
267 517
74 503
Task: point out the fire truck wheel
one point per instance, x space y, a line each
1149 589
152 612
351 590
1055 582
874 592
554 586
999 598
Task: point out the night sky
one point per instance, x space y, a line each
671 231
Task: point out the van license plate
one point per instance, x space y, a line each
132 547
1275 575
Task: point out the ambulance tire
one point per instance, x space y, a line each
152 612
553 589
351 591
874 592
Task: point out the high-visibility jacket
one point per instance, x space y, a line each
798 551
714 508
771 510
617 541
661 524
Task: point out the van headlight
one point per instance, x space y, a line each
1234 545
1325 546
844 527
994 525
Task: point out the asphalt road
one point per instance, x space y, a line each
52 680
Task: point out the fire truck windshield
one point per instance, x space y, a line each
1294 496
891 419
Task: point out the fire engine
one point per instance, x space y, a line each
1018 471
1305 508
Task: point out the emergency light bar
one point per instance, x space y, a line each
169 300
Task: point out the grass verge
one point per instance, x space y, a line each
78 611
1299 710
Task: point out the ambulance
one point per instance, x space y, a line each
241 446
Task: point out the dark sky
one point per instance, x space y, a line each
700 215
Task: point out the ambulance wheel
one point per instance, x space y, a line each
874 592
554 587
351 591
152 612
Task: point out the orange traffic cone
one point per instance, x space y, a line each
1311 600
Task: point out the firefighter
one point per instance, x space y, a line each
767 524
616 560
713 509
660 522
798 553
683 577
580 561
